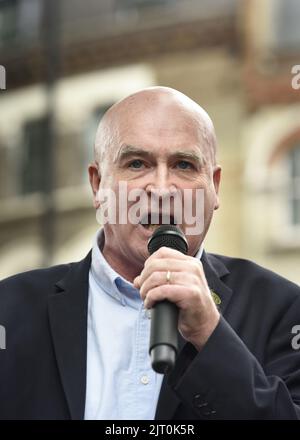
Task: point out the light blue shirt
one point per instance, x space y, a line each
121 384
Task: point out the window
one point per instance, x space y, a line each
143 3
19 21
286 22
30 20
294 185
8 21
34 156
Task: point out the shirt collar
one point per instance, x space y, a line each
200 252
110 281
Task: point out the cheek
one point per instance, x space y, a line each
207 185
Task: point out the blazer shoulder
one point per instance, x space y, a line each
43 280
36 275
33 283
241 270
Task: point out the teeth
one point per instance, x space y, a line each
151 226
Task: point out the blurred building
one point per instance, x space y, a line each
66 64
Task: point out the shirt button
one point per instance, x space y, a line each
145 380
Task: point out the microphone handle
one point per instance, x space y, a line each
163 337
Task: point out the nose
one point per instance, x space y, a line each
161 184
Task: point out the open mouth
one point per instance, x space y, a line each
151 221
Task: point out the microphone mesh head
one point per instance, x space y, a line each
170 236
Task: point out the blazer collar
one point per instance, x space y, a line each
67 310
214 270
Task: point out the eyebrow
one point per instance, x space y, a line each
126 151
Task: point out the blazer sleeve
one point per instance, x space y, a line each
225 380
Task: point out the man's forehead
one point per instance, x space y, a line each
156 125
157 113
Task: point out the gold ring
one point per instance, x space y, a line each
168 276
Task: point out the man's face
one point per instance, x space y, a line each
160 151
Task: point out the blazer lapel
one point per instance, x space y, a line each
68 323
214 270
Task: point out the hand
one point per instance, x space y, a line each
188 289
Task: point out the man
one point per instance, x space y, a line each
78 334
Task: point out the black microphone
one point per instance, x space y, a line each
164 314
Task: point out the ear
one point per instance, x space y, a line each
95 179
217 179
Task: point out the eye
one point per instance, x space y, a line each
184 165
136 164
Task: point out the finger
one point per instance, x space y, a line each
165 252
173 293
166 264
160 278
158 265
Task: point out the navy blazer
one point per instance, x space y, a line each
248 368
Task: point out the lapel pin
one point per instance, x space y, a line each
216 297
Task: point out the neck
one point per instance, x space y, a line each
120 265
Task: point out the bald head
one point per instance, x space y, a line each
153 105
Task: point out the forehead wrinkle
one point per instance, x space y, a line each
190 155
127 150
